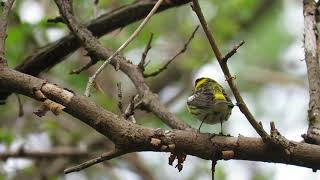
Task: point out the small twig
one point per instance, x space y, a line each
3 28
174 57
83 68
106 156
213 168
21 113
133 105
124 45
279 140
231 52
120 106
58 19
93 61
215 156
130 108
242 106
142 62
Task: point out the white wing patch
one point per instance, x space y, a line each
191 98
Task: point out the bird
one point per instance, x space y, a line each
209 102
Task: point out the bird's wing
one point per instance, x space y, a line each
206 100
201 100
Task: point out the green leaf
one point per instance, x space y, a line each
6 137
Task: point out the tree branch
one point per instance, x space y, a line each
93 60
142 62
56 52
231 52
121 48
240 102
150 100
3 28
313 70
106 156
134 138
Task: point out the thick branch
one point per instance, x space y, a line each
55 52
313 70
137 138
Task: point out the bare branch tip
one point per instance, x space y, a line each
272 125
106 156
184 48
129 112
142 64
231 52
92 62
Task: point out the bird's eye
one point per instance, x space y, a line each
197 80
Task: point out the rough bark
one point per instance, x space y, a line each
134 137
313 70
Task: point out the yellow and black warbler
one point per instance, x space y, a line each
209 102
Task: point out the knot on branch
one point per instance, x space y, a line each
231 78
49 104
226 155
312 136
280 141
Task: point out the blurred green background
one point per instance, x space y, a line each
270 72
